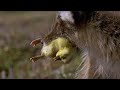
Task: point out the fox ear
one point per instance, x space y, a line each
75 17
66 16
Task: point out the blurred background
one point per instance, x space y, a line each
17 30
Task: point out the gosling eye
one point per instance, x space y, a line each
42 43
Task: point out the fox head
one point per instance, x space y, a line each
68 21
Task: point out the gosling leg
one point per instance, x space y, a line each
33 59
